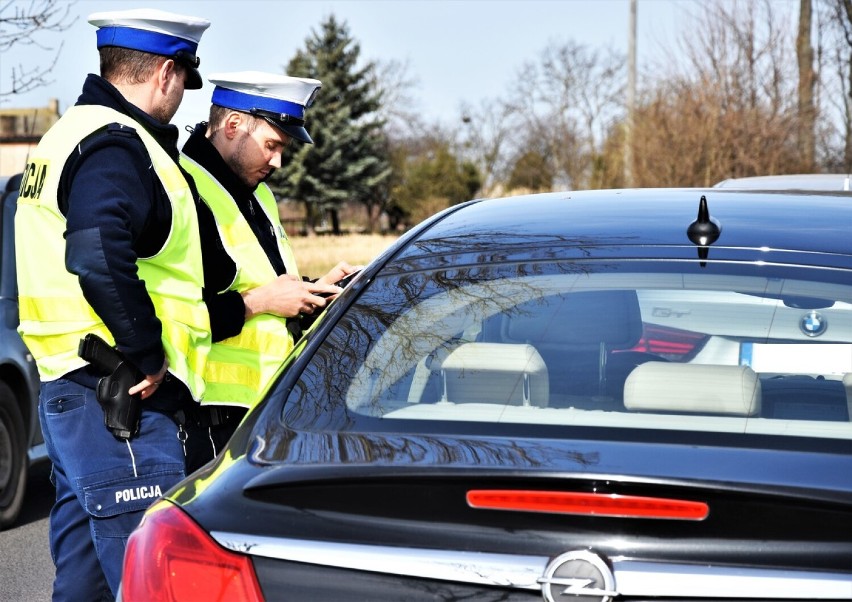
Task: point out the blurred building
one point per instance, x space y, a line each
20 131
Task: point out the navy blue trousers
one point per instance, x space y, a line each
103 486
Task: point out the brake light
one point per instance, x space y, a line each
595 504
169 558
672 343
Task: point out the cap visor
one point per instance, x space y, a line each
294 131
193 79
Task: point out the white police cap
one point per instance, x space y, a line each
156 32
280 99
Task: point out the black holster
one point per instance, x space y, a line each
121 410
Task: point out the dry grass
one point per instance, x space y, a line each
316 255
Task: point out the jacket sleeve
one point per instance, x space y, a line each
112 209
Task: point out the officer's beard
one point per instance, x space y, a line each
247 173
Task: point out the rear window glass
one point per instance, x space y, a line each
729 348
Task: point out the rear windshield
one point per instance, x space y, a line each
720 348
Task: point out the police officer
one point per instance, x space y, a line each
108 243
253 116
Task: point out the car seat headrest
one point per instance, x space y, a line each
701 389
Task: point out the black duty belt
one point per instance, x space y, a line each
207 416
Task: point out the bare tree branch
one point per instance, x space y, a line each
24 24
485 133
841 19
398 109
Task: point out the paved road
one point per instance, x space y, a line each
26 571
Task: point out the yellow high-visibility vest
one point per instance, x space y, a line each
53 312
240 368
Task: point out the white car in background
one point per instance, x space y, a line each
822 181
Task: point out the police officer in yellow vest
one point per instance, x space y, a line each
108 244
254 115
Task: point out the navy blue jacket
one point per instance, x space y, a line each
202 151
117 211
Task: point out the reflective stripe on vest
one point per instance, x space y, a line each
240 368
53 312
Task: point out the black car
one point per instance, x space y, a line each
21 442
575 397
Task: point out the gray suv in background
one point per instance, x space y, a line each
21 443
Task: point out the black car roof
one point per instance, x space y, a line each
795 221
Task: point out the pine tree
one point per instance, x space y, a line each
348 160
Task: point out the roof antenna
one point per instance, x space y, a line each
704 230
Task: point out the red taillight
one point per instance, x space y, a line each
672 343
169 558
595 504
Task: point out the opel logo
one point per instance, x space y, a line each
578 576
813 324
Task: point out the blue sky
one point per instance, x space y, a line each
457 51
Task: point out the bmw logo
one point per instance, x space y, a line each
813 324
578 576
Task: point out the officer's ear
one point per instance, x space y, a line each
167 72
234 121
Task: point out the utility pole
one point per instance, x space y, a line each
807 82
631 97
